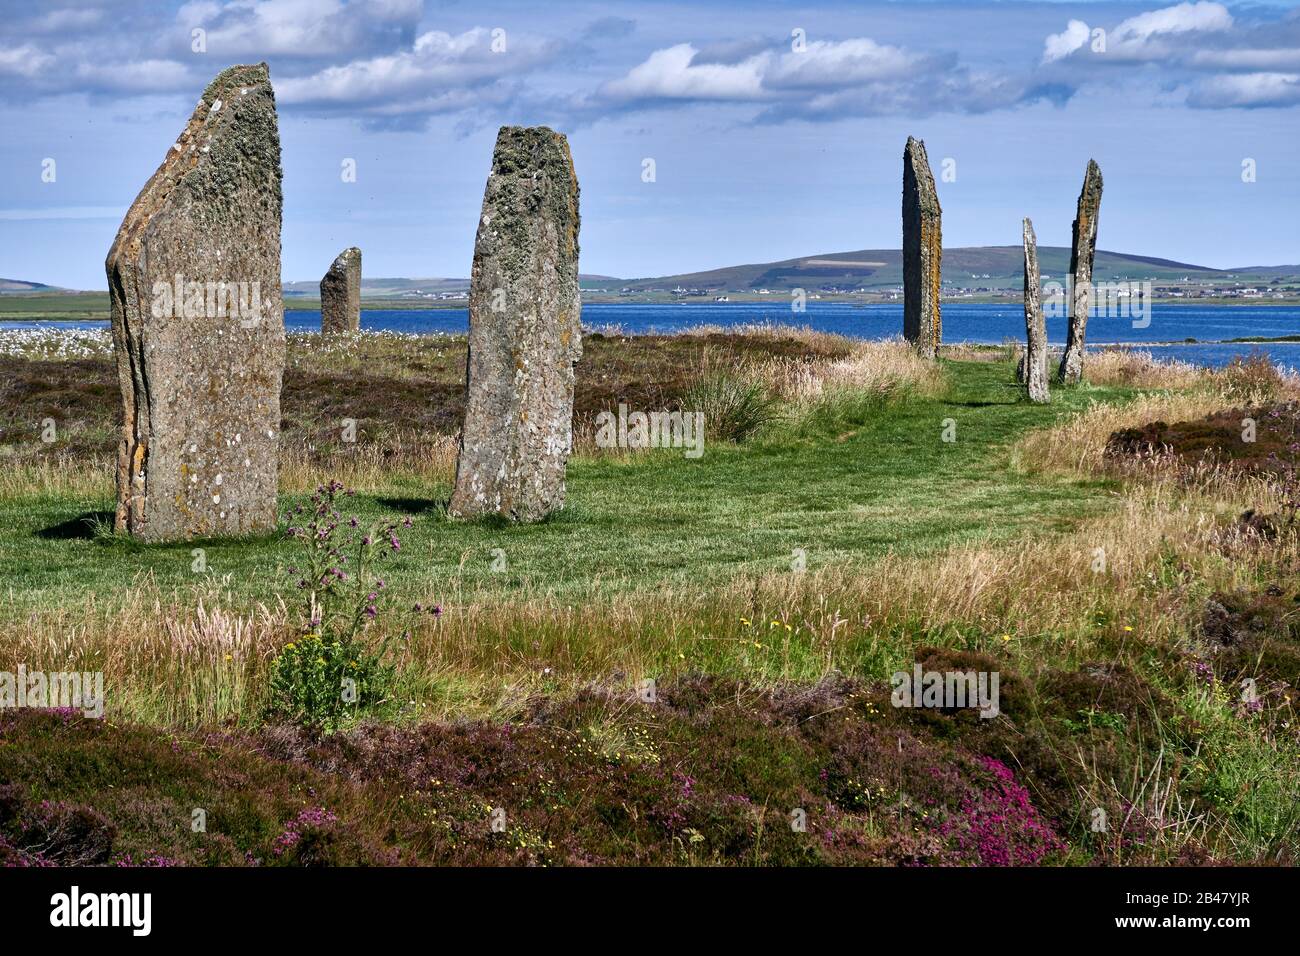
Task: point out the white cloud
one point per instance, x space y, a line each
672 74
440 73
1157 34
838 64
857 76
25 60
1248 59
139 76
1247 90
298 28
1060 45
1182 18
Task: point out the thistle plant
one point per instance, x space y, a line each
331 672
341 563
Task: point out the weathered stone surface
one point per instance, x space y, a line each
340 293
198 324
922 251
524 332
1035 362
1083 249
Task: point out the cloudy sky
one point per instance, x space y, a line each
776 129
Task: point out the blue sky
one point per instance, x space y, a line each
776 130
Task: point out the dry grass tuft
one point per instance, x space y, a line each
1136 368
183 659
882 368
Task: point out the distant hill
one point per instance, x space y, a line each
390 288
966 267
969 267
9 286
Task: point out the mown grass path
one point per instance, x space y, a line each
843 486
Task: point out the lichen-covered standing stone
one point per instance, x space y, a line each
198 324
1035 364
922 252
524 332
340 293
1083 249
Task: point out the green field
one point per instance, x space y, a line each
866 480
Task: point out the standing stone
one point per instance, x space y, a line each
198 323
524 332
1083 249
1035 364
340 293
922 252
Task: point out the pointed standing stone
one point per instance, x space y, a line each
524 332
922 252
340 293
198 324
1035 364
1083 249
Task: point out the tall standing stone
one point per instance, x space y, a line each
340 293
1035 366
198 323
922 251
1083 249
524 332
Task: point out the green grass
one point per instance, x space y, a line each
71 305
845 485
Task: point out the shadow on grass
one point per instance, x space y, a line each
983 404
415 506
85 527
97 526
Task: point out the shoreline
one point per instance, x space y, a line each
6 323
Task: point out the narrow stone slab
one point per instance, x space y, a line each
524 332
1035 364
1083 250
198 324
922 252
340 293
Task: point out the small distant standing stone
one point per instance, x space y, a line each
340 293
1035 365
922 252
1083 250
198 326
524 332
